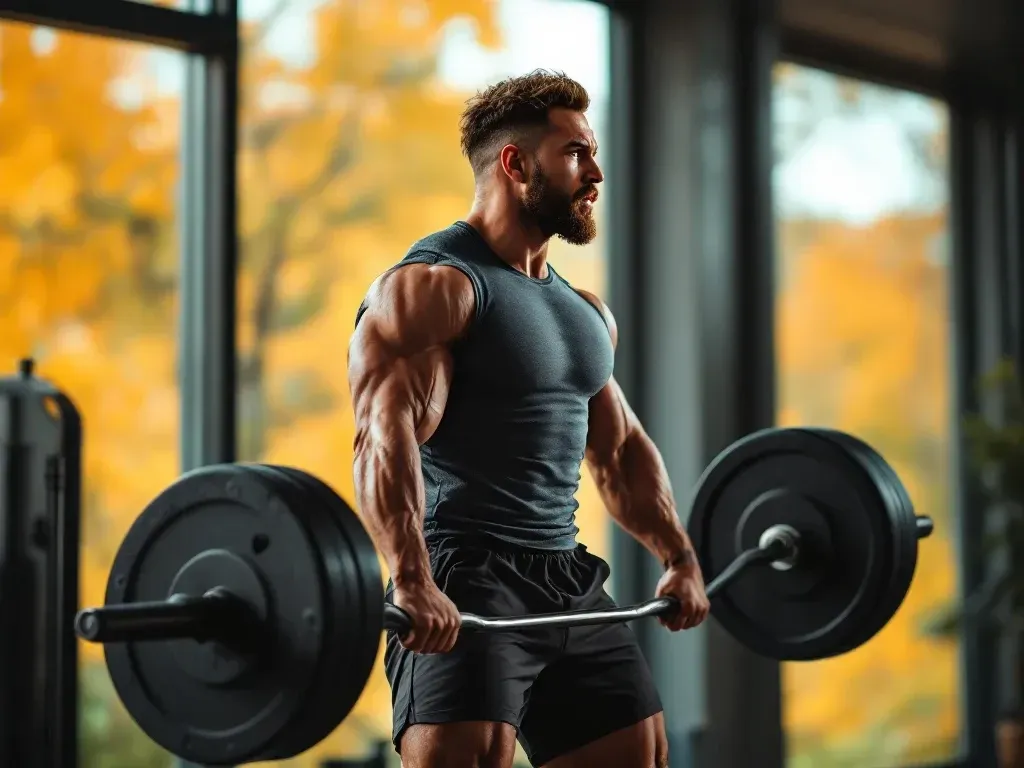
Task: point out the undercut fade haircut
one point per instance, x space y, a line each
515 111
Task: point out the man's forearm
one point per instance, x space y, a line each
635 487
389 490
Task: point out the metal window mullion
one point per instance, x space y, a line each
972 279
209 259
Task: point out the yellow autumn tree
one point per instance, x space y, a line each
863 346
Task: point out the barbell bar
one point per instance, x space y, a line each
245 606
219 616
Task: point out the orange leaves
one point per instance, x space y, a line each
38 185
860 300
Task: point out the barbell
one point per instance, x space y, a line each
245 605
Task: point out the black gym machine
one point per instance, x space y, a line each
245 605
40 471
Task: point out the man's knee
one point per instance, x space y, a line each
459 745
661 749
657 724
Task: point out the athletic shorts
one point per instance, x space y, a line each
560 688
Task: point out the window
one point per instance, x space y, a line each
862 334
349 153
89 139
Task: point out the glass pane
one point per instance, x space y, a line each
349 154
89 139
862 332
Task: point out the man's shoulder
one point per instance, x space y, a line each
430 278
602 308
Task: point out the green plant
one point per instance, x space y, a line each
108 738
996 447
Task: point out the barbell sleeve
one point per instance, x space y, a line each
216 615
180 616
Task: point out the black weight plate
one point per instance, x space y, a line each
298 736
904 532
354 624
364 630
801 479
237 516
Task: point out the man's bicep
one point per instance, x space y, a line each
399 364
610 422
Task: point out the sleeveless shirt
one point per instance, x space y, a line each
504 462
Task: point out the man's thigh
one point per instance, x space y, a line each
474 744
641 745
600 686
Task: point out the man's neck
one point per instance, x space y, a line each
518 243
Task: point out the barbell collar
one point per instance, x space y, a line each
925 526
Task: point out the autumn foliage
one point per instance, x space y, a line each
346 160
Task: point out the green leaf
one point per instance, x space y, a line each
951 619
945 622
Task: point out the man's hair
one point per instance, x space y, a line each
515 111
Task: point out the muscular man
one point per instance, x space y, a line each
480 380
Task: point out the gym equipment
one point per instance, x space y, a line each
40 467
245 606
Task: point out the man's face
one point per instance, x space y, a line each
562 183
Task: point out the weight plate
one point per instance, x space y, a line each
795 477
364 625
353 623
223 525
904 530
294 738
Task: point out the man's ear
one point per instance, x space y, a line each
511 161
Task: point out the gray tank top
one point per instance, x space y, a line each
504 463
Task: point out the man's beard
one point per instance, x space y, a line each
557 214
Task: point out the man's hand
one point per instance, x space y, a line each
435 619
686 584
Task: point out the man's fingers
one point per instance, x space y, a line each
425 631
690 621
433 633
437 636
451 634
410 640
677 620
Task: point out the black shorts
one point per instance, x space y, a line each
560 688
